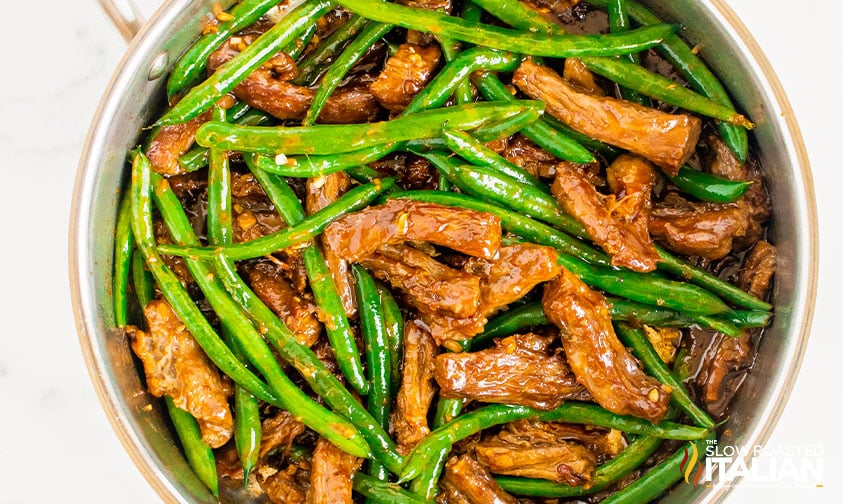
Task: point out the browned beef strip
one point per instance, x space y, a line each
576 73
300 315
428 284
466 481
732 357
405 74
596 356
171 142
668 140
331 472
556 460
285 487
176 366
632 179
417 388
504 280
698 228
268 89
629 246
517 370
604 443
358 235
279 431
521 151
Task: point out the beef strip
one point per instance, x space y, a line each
668 140
417 388
632 179
253 214
331 472
428 284
405 74
521 151
286 487
596 356
732 357
358 235
532 456
279 431
504 280
300 315
619 234
517 370
466 481
698 228
603 443
171 142
268 89
176 366
576 73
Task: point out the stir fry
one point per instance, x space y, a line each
454 251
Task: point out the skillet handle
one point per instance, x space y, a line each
128 24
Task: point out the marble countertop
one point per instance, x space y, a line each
55 442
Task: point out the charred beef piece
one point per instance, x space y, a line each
268 89
619 234
358 235
732 357
417 388
504 280
668 140
517 370
598 359
279 431
299 314
176 366
405 74
466 481
427 283
698 229
535 452
330 476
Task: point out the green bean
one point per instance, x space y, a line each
219 195
383 492
537 44
426 484
748 318
394 322
202 96
339 68
708 187
313 65
619 22
309 228
571 412
142 280
462 94
685 60
247 422
378 360
175 293
199 455
321 282
197 157
662 88
659 478
334 428
191 64
540 132
655 366
642 287
698 276
297 47
124 244
465 146
342 138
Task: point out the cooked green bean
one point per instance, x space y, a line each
197 157
343 138
383 492
348 58
297 47
142 280
203 96
691 67
571 412
655 366
219 194
313 65
394 323
124 244
307 229
619 22
247 423
708 187
199 456
426 484
334 428
465 146
536 44
191 65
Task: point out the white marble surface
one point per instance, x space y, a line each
55 443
